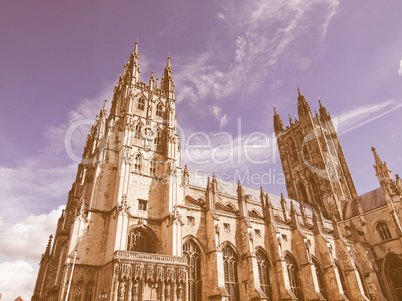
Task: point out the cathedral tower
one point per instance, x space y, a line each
312 160
123 202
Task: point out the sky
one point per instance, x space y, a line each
232 62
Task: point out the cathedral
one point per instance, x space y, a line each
139 226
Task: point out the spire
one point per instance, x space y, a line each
381 168
134 64
323 111
136 48
290 120
376 156
240 191
167 82
152 81
302 106
294 216
298 91
283 204
278 123
48 247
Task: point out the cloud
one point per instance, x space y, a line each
32 186
260 33
400 68
224 121
17 278
360 116
27 238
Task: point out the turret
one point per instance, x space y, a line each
135 64
167 82
278 123
302 105
323 111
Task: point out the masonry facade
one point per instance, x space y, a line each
137 226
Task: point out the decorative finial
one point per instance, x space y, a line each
298 90
275 112
319 101
290 119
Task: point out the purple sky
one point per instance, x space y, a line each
230 59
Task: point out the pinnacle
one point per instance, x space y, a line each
376 157
298 91
275 112
136 47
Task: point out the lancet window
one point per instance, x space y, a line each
141 104
383 229
263 273
230 272
193 256
294 277
320 277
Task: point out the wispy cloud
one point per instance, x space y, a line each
357 117
260 33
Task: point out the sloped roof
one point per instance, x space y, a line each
372 199
230 188
369 201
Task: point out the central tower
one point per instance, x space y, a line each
312 160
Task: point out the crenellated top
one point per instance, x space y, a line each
304 113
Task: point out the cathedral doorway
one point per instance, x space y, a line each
393 276
140 240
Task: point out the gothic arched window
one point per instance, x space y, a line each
230 270
140 240
152 167
137 163
343 280
159 109
303 193
294 277
141 104
320 278
137 132
316 193
157 137
383 229
193 256
292 149
263 273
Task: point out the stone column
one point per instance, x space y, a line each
130 288
115 289
162 291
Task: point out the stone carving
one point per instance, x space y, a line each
122 288
135 292
167 292
170 274
138 271
150 273
181 275
159 274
